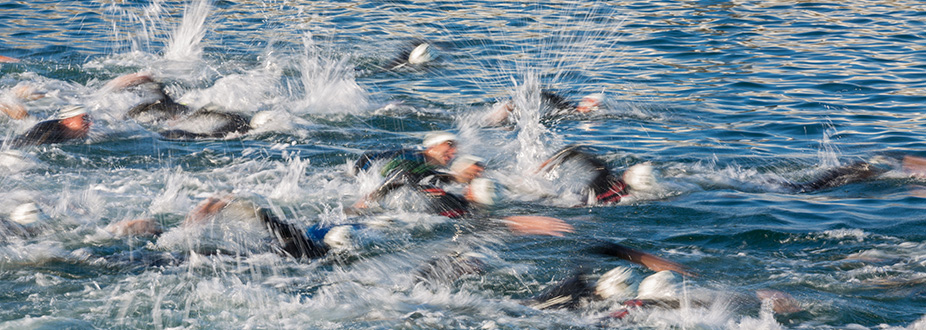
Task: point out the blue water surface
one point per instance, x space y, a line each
727 100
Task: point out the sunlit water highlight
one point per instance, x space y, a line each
725 98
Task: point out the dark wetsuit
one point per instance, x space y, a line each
46 132
229 122
366 160
293 240
606 187
161 109
410 168
165 108
556 105
854 172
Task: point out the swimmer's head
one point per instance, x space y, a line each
440 147
261 119
640 177
467 167
421 54
28 214
662 285
590 103
339 237
483 191
75 118
618 282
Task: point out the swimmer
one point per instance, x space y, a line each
208 122
476 194
12 104
415 168
422 53
72 124
464 170
855 172
161 108
605 187
552 106
317 241
659 290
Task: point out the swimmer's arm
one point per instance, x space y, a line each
537 225
562 156
206 209
651 261
128 80
14 110
25 91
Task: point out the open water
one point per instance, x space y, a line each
726 99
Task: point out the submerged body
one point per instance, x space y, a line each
208 123
73 124
855 172
604 187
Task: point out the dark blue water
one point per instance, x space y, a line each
726 100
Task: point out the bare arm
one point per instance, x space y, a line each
14 110
128 80
538 225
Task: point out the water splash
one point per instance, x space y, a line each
329 84
185 41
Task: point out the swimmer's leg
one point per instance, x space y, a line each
568 293
292 239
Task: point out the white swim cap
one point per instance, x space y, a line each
339 237
462 162
435 138
71 111
28 214
483 191
260 119
421 54
640 177
662 285
618 282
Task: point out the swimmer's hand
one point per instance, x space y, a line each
207 208
537 225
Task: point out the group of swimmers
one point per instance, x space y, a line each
426 171
173 120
